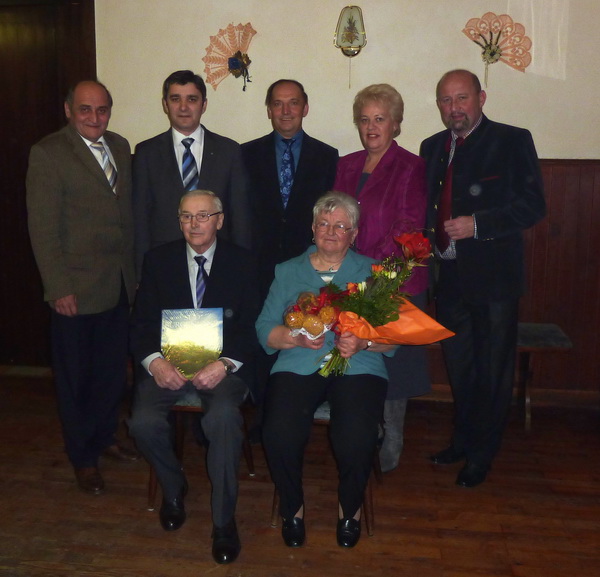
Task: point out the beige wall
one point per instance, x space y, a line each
410 44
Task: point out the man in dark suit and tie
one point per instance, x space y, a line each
288 171
485 188
284 186
186 157
197 271
81 229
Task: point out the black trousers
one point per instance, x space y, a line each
89 357
480 361
356 411
222 425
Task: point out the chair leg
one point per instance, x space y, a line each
247 447
377 467
152 487
275 508
248 456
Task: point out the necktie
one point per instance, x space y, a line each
442 240
109 170
201 278
189 168
286 173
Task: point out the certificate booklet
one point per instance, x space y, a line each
192 338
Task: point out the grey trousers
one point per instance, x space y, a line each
222 426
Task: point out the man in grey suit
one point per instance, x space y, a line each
186 157
81 229
282 205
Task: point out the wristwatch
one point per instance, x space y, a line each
369 343
228 366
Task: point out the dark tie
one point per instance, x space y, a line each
107 166
189 168
201 278
286 174
442 240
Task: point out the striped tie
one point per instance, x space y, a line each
107 166
201 278
189 169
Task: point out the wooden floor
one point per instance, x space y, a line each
538 515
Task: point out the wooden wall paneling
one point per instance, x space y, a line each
46 46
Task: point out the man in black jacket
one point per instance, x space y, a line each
485 188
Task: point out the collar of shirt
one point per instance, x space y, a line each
97 154
193 265
280 147
197 145
455 136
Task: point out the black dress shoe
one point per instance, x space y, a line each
89 480
293 532
348 532
172 513
447 456
226 543
471 475
120 454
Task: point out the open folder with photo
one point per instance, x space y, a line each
192 338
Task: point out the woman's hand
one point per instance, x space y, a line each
349 344
280 338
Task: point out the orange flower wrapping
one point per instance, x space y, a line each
413 327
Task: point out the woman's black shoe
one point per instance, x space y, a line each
293 532
348 532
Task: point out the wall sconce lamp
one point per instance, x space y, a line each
350 36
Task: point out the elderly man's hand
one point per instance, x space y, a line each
66 305
166 375
210 376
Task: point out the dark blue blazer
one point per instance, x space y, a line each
280 234
158 188
165 285
496 177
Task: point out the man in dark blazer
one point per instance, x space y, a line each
283 219
158 177
81 229
486 176
282 229
170 281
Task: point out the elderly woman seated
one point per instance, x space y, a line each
296 388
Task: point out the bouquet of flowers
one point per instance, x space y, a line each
377 309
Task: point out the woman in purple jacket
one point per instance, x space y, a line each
389 184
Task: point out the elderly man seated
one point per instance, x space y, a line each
196 271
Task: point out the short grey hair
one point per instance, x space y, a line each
333 200
192 193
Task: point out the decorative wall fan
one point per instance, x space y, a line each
227 54
501 39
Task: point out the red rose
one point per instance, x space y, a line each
414 246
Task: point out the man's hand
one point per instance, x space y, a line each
460 227
166 375
210 376
66 305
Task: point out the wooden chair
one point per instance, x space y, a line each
191 404
322 417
